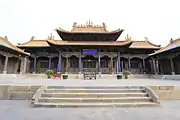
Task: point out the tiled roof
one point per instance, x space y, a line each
173 44
88 28
5 42
135 44
144 44
110 43
34 43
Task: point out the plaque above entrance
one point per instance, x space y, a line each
89 51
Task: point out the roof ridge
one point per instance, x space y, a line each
32 39
153 44
147 42
107 42
171 42
138 40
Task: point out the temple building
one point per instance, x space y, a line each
89 48
167 59
13 60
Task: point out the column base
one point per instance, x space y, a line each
79 74
173 73
99 74
4 72
34 72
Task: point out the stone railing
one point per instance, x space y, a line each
37 95
151 93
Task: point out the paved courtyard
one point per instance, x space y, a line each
21 110
109 81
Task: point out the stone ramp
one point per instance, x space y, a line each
94 96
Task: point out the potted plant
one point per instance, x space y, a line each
64 76
119 76
126 73
49 73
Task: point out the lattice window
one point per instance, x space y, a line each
44 64
134 65
74 64
104 64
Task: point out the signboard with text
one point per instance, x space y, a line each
89 51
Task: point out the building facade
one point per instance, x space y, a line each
90 48
167 59
13 60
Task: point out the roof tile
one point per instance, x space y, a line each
5 42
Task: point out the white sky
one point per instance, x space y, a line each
158 20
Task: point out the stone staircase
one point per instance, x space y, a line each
94 96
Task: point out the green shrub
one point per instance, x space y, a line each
49 73
126 73
65 76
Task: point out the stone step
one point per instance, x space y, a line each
93 90
88 105
93 87
95 100
93 95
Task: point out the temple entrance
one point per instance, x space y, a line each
105 65
89 64
73 64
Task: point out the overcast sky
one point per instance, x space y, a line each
158 20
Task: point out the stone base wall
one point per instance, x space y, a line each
26 92
167 92
14 92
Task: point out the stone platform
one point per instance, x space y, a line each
19 109
165 89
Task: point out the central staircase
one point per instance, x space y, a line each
94 96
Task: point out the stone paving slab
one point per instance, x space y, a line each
80 82
21 110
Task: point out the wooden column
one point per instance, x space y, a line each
59 63
122 65
99 63
79 63
67 64
172 66
129 63
49 65
151 66
144 65
5 65
21 65
154 66
34 67
25 65
157 66
111 65
119 63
